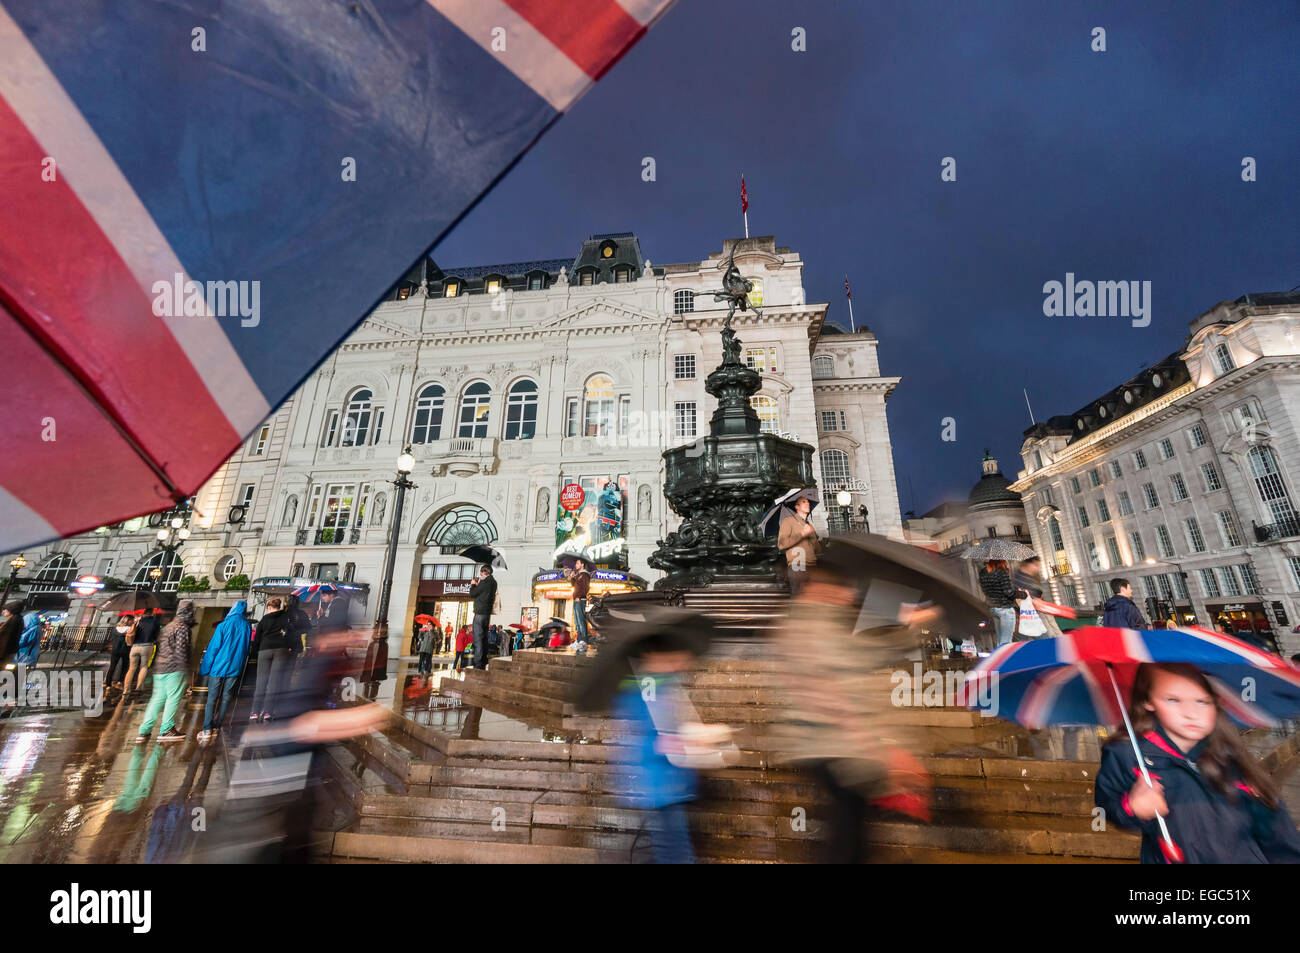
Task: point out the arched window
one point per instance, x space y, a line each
356 419
598 413
823 366
1223 361
765 407
683 302
1269 483
521 411
171 567
835 467
465 525
427 426
55 575
474 410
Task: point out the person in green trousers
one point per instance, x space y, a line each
171 667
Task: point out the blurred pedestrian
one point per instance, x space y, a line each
170 670
1033 623
119 659
143 642
1121 612
839 727
11 630
425 648
1003 598
484 593
797 538
278 639
223 665
29 643
333 615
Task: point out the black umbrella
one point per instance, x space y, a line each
482 553
888 573
631 633
132 600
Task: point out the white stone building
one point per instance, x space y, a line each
509 382
1182 479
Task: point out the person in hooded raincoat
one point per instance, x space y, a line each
171 669
223 665
29 643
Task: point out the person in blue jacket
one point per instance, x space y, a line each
223 664
29 643
1219 806
1121 612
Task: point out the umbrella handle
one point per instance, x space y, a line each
1173 850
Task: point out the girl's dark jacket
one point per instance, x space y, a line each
1204 824
998 590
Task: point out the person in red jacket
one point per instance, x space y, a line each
463 639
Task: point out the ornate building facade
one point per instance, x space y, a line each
510 382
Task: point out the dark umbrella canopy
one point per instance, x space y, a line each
771 521
632 633
481 553
133 600
888 573
571 561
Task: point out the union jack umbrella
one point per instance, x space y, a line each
313 592
1085 676
201 200
1068 680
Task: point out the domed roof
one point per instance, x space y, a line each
992 487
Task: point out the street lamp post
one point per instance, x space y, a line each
845 499
405 464
1150 561
16 566
175 528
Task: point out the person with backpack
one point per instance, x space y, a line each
223 666
143 642
171 668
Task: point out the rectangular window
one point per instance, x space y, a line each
684 367
684 419
1125 504
331 428
1164 542
1149 587
1103 593
1293 562
1211 477
1166 449
761 359
1046 495
1083 517
246 496
1094 477
1194 538
1178 487
624 412
571 418
829 420
1074 485
1249 578
1112 548
1196 437
1228 529
1149 494
1209 584
1103 511
1228 579
1135 544
1139 460
259 445
1116 470
1180 585
1166 590
313 511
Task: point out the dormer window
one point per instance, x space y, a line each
492 286
537 282
622 274
451 289
1223 361
1157 381
403 293
587 276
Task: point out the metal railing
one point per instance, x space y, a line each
1284 528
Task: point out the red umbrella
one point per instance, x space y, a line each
424 617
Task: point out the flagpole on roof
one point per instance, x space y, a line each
848 293
744 203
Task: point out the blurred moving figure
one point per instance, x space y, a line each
1032 623
29 643
276 799
11 628
223 666
1003 598
833 648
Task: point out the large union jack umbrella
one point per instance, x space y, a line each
1067 680
308 149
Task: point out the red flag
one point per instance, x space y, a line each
848 293
744 196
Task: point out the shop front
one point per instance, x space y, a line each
448 600
1246 618
553 593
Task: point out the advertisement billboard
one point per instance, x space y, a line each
589 520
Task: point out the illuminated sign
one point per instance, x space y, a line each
589 521
571 497
86 585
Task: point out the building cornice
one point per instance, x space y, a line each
857 385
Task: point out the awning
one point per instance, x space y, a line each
285 585
551 584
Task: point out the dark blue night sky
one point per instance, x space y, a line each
1122 165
